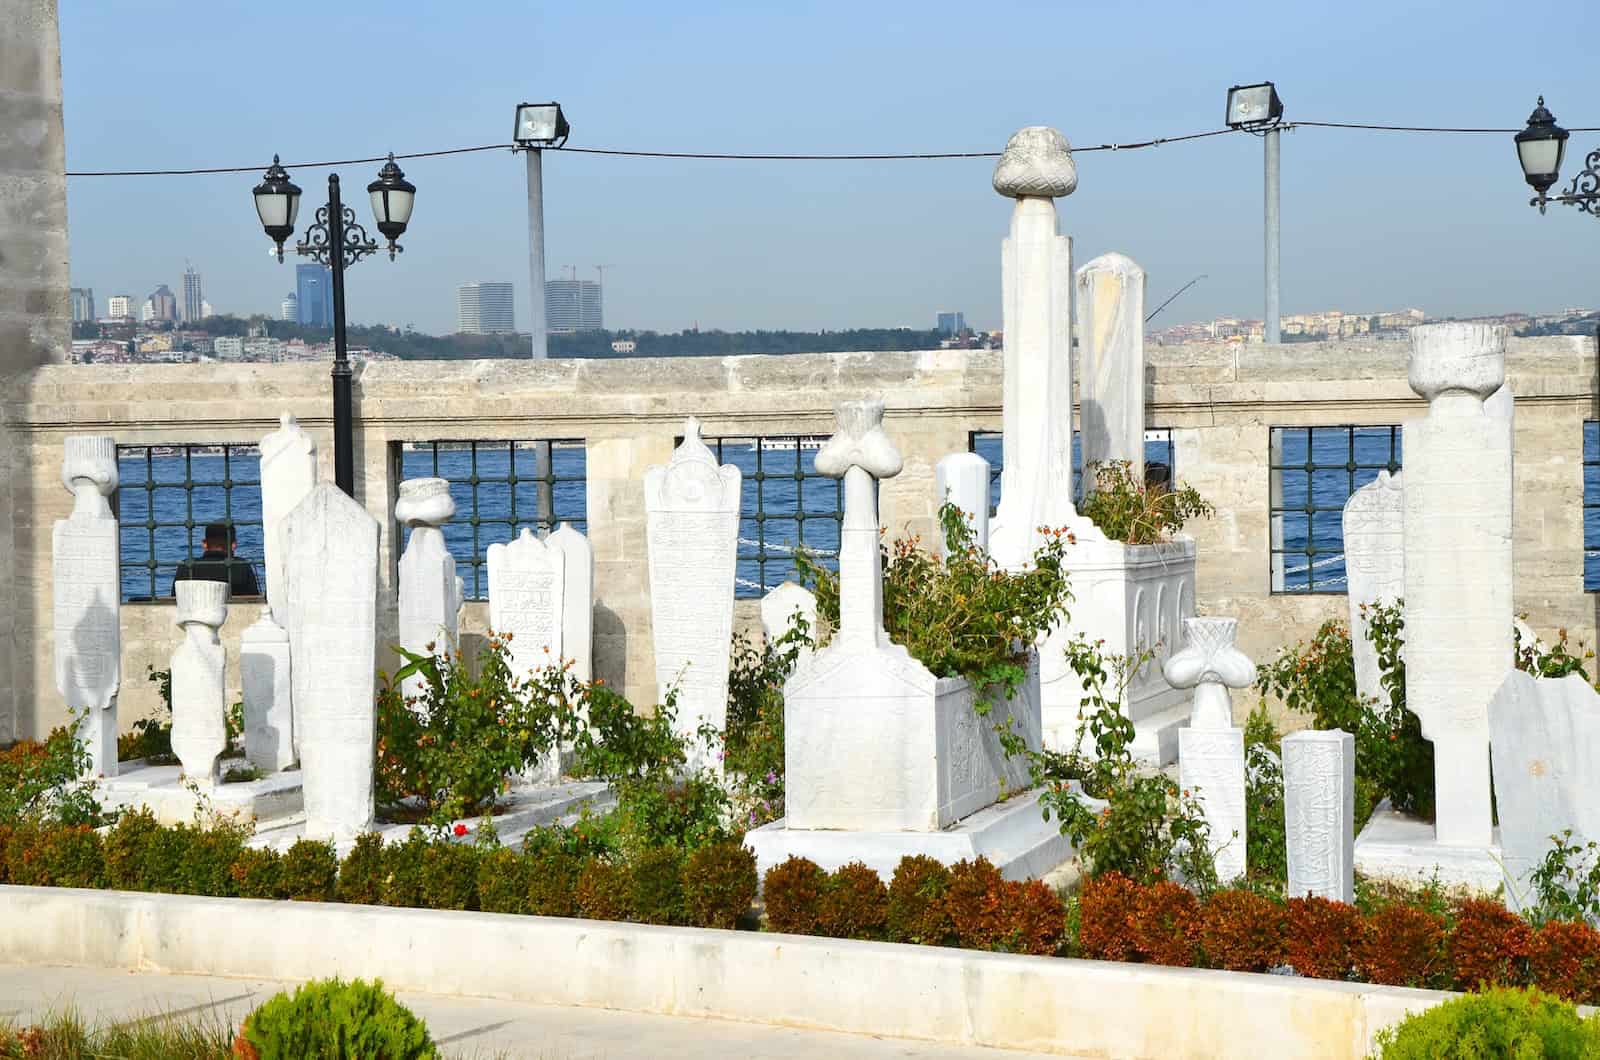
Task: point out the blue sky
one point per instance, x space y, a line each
1370 220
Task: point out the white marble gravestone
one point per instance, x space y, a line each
86 623
1111 364
288 473
1458 578
781 607
527 584
577 600
331 567
430 592
199 688
1545 739
1211 750
1375 566
1211 665
962 479
692 525
1319 783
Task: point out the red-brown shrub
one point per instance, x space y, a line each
1034 916
917 911
974 914
1489 946
1565 959
1402 945
854 904
793 895
1241 931
1105 917
1166 924
1320 937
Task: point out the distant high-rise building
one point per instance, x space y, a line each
313 289
290 310
572 305
206 310
163 304
484 309
951 323
119 306
82 304
147 312
193 301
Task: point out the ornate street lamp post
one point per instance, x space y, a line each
337 241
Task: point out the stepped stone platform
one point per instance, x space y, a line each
175 800
1395 846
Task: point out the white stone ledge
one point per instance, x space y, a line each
1070 1007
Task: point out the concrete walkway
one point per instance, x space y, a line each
464 1027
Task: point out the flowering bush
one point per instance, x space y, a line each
754 741
1127 510
44 782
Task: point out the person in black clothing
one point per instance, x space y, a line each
219 564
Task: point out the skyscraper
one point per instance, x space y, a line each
951 323
119 306
163 304
193 301
313 289
82 304
484 309
572 305
290 310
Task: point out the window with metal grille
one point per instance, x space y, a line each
166 497
785 505
1591 507
499 488
1158 462
1314 470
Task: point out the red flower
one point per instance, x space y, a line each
461 829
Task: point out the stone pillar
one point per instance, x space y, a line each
577 600
692 517
1375 567
1319 784
1111 364
430 592
331 549
1211 665
1458 580
860 453
1211 750
963 480
87 623
1036 271
199 720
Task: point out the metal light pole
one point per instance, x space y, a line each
336 240
1273 332
1257 108
536 318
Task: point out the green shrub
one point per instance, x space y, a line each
404 883
854 904
655 886
449 875
793 895
45 782
334 1019
916 910
125 850
310 872
1125 509
603 890
50 855
362 871
258 873
719 884
503 882
553 883
1266 841
1496 1023
208 866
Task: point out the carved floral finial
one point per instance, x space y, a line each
1037 162
1210 664
424 502
1456 356
860 442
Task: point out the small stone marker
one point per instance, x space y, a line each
331 549
1111 361
1545 738
1319 778
1458 579
577 599
527 584
288 473
199 721
1375 567
88 598
962 479
782 606
430 592
1211 762
1211 665
692 524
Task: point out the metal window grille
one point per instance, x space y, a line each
1591 506
1158 452
497 487
1314 470
166 497
785 506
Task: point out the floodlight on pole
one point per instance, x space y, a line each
1257 109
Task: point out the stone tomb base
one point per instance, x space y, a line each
162 791
1395 846
1012 834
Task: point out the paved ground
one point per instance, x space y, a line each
465 1027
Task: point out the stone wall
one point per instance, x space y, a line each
1220 401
